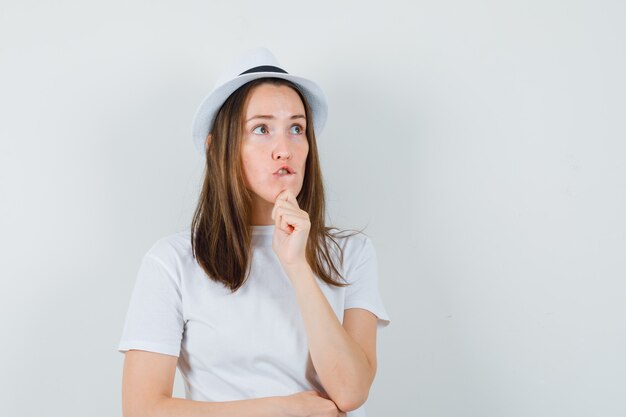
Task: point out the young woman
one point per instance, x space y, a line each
264 309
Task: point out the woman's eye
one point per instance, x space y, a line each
260 130
296 130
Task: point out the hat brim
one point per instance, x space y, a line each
206 113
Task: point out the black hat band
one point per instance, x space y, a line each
264 68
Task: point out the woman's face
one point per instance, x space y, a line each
274 146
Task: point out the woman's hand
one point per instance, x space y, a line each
292 230
310 404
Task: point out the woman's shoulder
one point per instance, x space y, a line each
353 243
172 248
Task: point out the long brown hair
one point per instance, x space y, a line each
221 230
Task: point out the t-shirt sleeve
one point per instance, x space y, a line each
362 275
154 321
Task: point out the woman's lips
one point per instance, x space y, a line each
284 170
282 174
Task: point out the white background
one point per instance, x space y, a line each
480 143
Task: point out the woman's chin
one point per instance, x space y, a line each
270 196
294 190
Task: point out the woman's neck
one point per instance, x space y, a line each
261 213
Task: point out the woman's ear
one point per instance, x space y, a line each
208 141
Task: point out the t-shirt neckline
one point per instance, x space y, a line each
263 230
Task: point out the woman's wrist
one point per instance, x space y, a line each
297 270
279 406
282 406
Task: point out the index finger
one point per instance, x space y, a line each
286 195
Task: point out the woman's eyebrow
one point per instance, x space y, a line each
268 116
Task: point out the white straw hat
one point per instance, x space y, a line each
257 63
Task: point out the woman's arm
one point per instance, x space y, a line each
343 356
147 392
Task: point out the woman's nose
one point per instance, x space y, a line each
281 151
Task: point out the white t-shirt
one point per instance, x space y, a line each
246 344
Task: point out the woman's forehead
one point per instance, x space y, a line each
273 100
